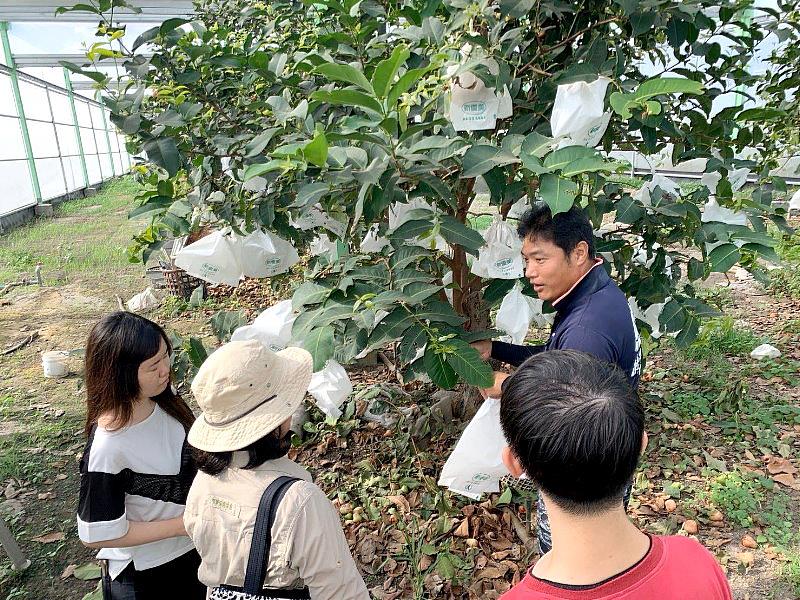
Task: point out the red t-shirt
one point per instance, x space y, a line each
675 568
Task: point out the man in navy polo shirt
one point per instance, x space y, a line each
592 313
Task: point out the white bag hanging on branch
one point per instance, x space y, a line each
500 258
665 184
316 217
372 242
447 279
330 388
794 203
712 211
517 312
711 180
321 244
578 116
738 178
273 327
649 315
265 254
476 465
519 208
473 106
213 258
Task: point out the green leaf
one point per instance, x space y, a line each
629 210
319 342
411 229
689 332
414 338
225 322
482 157
467 363
385 72
348 98
316 151
403 84
418 291
347 74
761 114
763 251
170 25
667 85
196 352
309 293
256 146
455 232
536 145
588 165
562 157
310 193
154 205
259 169
695 269
505 497
723 257
438 311
515 9
391 328
164 153
558 193
441 373
673 316
87 572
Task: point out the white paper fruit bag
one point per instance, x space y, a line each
330 388
213 258
265 254
476 464
500 258
578 117
273 327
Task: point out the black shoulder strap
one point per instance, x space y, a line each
262 534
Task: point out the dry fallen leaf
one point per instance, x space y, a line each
463 529
68 571
56 536
778 465
46 496
786 479
716 516
749 542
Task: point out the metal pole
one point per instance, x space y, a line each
68 85
9 544
105 128
23 122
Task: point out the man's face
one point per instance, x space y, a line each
551 272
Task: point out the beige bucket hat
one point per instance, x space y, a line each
245 391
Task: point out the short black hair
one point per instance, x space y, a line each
576 426
565 230
271 446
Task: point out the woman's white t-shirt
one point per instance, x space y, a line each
137 473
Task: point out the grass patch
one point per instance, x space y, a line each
86 238
721 336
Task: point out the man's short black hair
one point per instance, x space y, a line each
565 230
576 425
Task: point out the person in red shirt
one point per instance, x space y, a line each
575 426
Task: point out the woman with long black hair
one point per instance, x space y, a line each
136 469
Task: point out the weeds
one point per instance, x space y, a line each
721 336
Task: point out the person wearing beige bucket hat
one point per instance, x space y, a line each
247 395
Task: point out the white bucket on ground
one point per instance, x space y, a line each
55 363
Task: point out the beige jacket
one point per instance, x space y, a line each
308 545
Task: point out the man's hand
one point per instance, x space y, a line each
484 347
496 389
